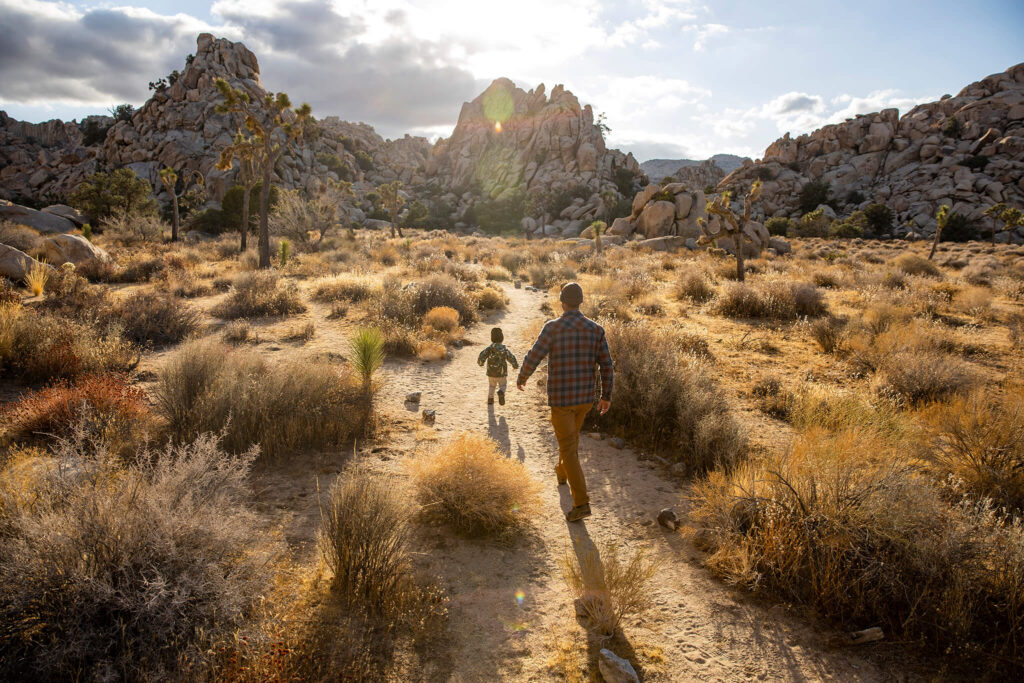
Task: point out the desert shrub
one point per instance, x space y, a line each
399 340
231 206
442 290
854 225
667 399
922 376
546 275
367 347
773 299
260 294
879 218
865 544
142 270
829 279
237 332
959 228
102 195
442 319
912 264
301 218
779 226
130 229
814 224
976 301
364 538
471 486
133 572
38 346
609 585
773 398
491 299
514 260
112 405
498 216
829 333
813 195
430 350
207 387
36 278
695 286
498 274
979 440
154 318
345 288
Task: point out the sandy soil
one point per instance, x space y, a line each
699 629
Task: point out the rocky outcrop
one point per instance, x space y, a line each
965 151
16 265
658 169
659 211
510 143
700 176
41 221
61 249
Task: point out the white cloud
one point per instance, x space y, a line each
705 32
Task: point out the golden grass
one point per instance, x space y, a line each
474 488
36 278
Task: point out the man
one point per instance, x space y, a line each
574 344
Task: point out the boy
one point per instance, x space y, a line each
497 357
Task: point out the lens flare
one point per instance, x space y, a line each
497 126
520 596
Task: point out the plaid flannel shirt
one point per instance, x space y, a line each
574 344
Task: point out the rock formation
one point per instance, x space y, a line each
658 169
965 151
512 143
660 211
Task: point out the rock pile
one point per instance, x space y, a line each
660 211
965 151
511 143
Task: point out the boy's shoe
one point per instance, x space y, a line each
501 398
490 401
578 513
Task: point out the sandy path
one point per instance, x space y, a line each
699 629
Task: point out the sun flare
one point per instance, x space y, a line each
497 126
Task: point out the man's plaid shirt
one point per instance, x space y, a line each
574 345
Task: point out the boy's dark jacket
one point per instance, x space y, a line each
497 357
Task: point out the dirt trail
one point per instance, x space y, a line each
699 629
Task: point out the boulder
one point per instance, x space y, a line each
642 197
377 224
666 243
615 669
65 211
780 245
622 226
15 264
684 202
656 219
75 249
37 220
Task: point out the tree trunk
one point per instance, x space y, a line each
174 217
738 241
244 225
935 243
264 240
597 242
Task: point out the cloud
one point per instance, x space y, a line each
705 32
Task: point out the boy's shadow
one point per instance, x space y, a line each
498 430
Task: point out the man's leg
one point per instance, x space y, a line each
567 422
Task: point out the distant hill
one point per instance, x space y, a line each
656 169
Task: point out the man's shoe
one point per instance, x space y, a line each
578 513
501 398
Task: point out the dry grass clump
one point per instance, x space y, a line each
866 544
208 387
772 299
498 274
37 346
922 376
260 294
976 302
345 288
443 319
695 286
37 277
979 440
442 290
114 408
471 486
829 333
491 299
430 350
547 275
237 332
609 585
912 264
667 400
135 572
21 237
154 318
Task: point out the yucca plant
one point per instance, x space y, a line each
35 279
599 228
367 347
942 217
283 251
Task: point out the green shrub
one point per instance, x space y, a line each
499 216
814 194
779 226
102 195
959 228
231 206
975 163
879 217
364 160
855 225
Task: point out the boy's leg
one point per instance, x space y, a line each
502 383
492 382
566 422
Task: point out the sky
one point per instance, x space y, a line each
674 78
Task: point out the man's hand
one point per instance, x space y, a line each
521 387
603 406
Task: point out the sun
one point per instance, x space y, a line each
497 126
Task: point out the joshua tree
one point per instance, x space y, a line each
169 179
393 201
609 198
731 224
244 149
942 217
598 227
1009 216
273 125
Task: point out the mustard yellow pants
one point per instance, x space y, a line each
567 421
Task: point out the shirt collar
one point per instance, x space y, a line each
572 313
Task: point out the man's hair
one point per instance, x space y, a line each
571 295
497 336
